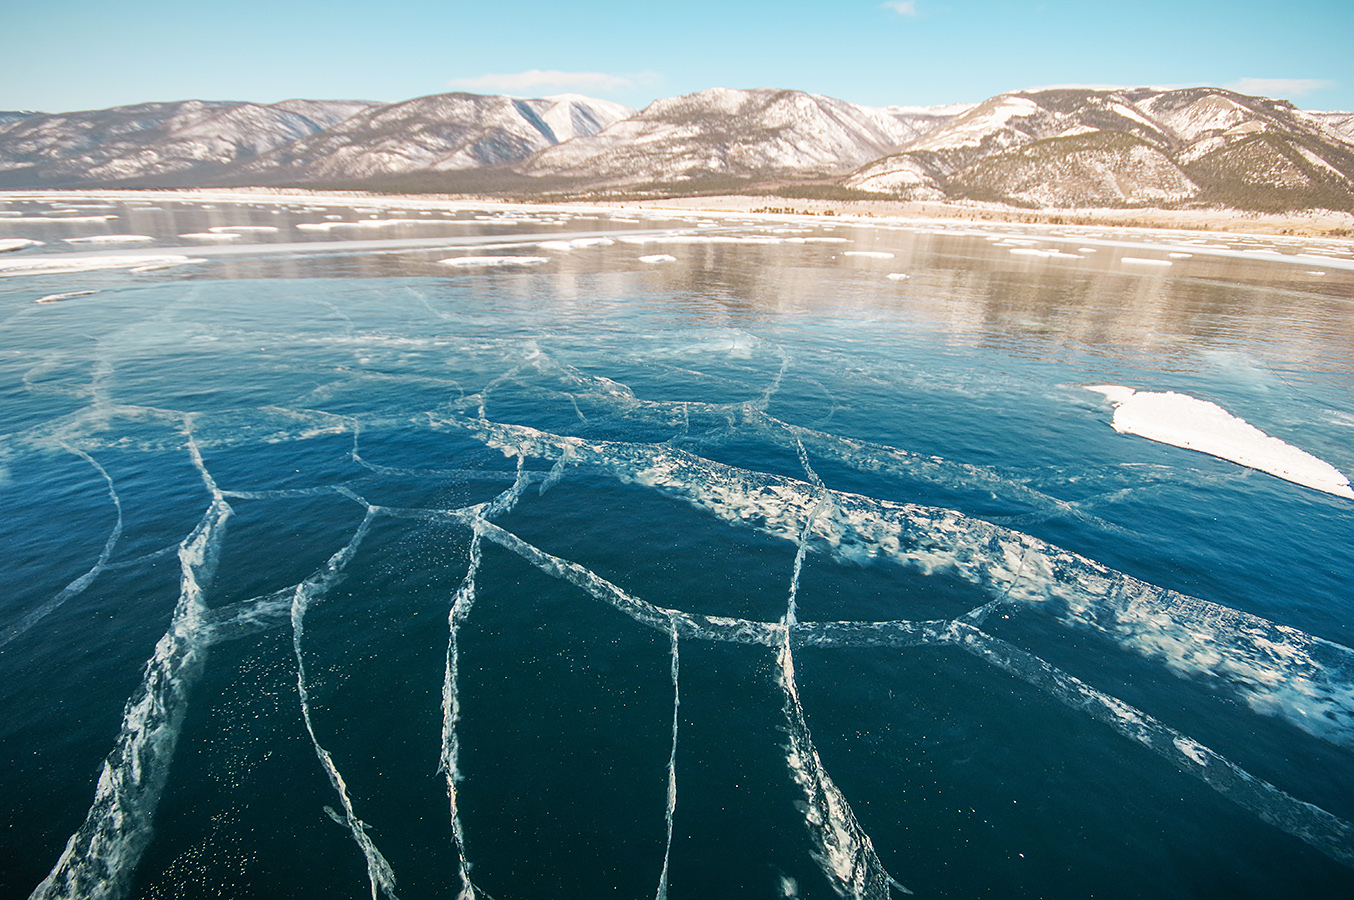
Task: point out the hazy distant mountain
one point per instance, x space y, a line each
182 143
1070 148
325 113
441 133
721 134
1079 148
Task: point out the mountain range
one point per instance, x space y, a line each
1064 148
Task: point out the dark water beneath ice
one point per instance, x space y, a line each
335 572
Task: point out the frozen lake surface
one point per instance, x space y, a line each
421 550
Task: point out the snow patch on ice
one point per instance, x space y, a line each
658 258
111 239
53 298
698 239
54 264
467 262
62 219
1184 421
360 224
576 244
1046 254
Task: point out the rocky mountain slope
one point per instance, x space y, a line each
1340 122
441 133
1069 148
168 144
722 135
1080 148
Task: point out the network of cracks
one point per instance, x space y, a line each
1259 663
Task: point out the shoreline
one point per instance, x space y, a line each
1307 223
1313 223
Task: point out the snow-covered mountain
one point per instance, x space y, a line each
722 134
1076 148
1338 121
440 133
182 143
1054 148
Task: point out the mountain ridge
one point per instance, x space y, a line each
1052 147
1192 145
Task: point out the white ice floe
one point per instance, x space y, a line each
62 219
62 264
1143 261
576 244
158 266
658 258
9 244
1180 255
467 262
243 229
1048 254
53 298
360 224
111 239
1185 421
897 276
698 239
212 236
869 254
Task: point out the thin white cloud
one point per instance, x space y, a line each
902 7
534 81
1279 87
1081 87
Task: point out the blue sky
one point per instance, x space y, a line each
78 54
